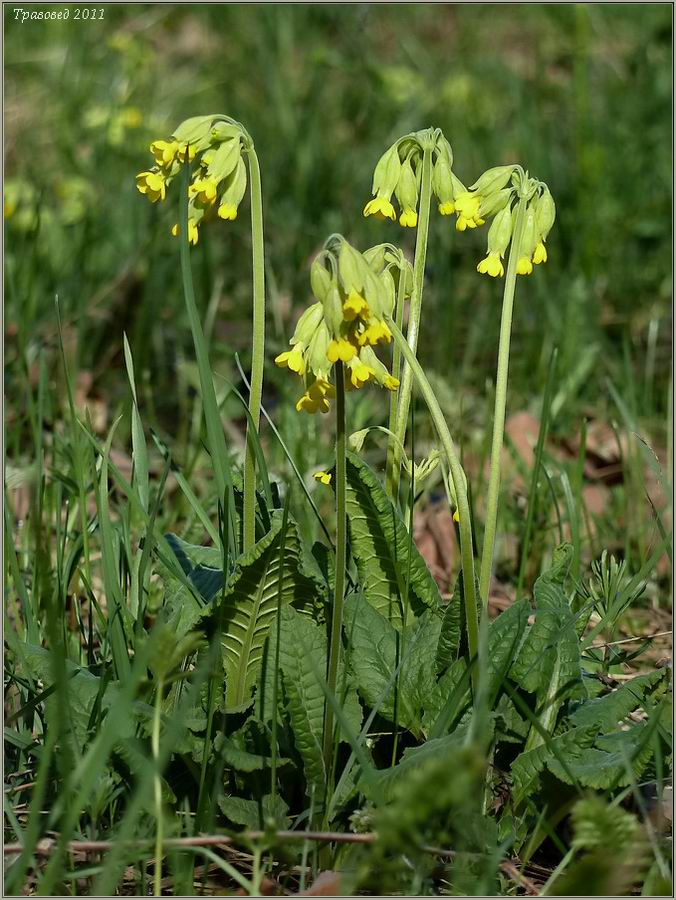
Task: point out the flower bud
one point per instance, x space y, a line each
493 203
492 180
500 232
333 308
223 160
235 185
351 266
223 131
195 131
308 324
407 188
316 354
442 181
386 173
320 279
545 213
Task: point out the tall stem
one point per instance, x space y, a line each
258 349
466 548
157 880
414 315
500 405
341 557
396 367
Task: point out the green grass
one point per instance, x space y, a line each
125 423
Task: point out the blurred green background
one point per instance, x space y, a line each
579 95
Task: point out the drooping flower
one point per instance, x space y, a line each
216 144
354 292
322 477
152 184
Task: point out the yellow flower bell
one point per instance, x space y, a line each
342 350
152 184
193 233
491 265
322 477
540 254
381 208
292 359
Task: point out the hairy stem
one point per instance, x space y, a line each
157 880
396 368
466 548
258 349
413 317
500 405
341 557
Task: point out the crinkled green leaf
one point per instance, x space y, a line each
608 711
375 649
380 546
247 608
253 814
528 766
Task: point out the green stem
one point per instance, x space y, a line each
414 313
396 367
500 405
215 437
258 349
157 881
465 525
341 558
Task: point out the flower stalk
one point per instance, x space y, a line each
500 403
404 400
341 560
258 348
457 476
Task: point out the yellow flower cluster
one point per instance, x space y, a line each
496 193
399 172
216 142
354 292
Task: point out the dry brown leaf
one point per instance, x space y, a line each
326 884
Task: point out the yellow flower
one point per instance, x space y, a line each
491 265
322 477
456 517
292 359
524 266
376 333
354 306
164 152
204 190
193 233
380 207
340 350
391 383
540 254
152 185
360 373
315 398
182 151
447 208
409 218
227 211
467 207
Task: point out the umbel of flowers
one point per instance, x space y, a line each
219 181
399 173
354 293
496 194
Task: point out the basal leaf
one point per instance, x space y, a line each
528 766
302 654
380 545
548 663
376 648
247 608
252 813
608 711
